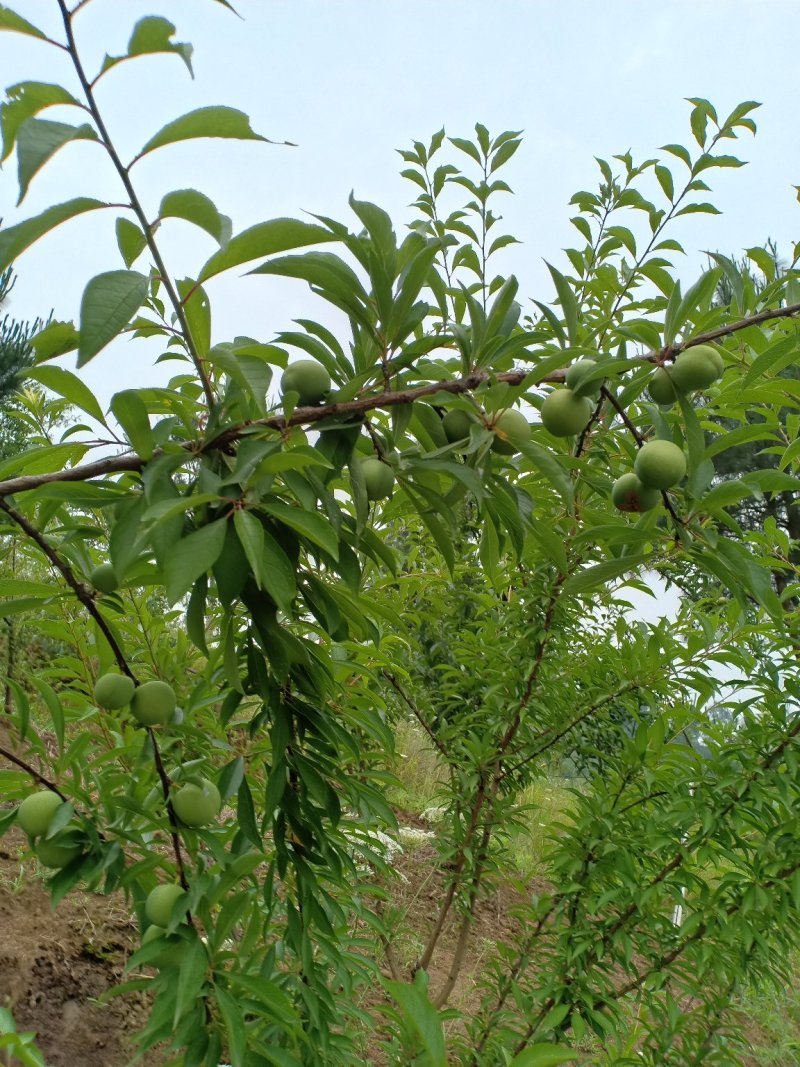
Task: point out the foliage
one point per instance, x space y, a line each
296 618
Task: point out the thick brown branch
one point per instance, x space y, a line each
129 462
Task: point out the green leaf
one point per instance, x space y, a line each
543 1055
198 209
569 306
279 576
264 239
192 556
251 537
697 209
14 23
109 302
308 523
131 413
16 239
421 1016
152 34
546 462
130 240
590 577
54 340
38 140
68 385
214 121
25 100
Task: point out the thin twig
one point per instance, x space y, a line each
135 204
81 591
32 772
435 741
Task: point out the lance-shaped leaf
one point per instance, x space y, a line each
16 239
109 302
196 207
10 20
23 101
68 385
214 121
264 239
150 35
38 140
130 240
192 556
131 413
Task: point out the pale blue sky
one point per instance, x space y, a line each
352 80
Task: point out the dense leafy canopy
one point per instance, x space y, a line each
305 568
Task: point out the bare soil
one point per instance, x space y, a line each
53 966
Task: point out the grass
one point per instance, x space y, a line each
771 1020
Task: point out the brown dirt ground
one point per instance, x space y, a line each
54 965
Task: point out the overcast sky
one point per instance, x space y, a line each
351 81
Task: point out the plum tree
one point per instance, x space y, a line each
153 703
197 803
114 691
378 478
482 605
660 464
36 811
307 378
564 414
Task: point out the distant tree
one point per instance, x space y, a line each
16 353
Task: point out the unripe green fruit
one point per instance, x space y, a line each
628 494
114 691
565 414
172 955
196 805
37 810
511 429
574 379
660 464
378 478
104 578
307 378
457 424
153 703
696 368
160 902
661 388
58 852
